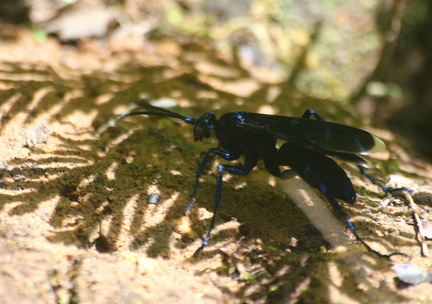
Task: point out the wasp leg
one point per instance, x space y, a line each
308 113
392 191
201 168
218 199
250 162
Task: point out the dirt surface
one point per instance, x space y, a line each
75 223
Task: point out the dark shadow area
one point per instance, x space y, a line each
413 120
398 91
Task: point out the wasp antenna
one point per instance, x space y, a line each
187 119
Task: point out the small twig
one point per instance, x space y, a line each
419 227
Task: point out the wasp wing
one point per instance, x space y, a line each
326 135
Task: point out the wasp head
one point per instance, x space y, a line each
204 126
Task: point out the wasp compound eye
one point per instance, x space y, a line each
204 126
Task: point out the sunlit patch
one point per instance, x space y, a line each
118 140
243 88
184 226
60 104
202 94
100 209
153 215
226 177
44 160
38 97
102 99
266 109
175 172
7 105
239 101
120 109
203 214
171 147
227 229
129 210
5 86
335 275
217 70
23 77
153 189
17 191
146 265
272 93
110 172
81 119
240 186
72 221
87 181
130 157
167 102
272 181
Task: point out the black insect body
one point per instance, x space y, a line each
318 171
309 141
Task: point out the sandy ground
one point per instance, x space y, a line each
75 223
